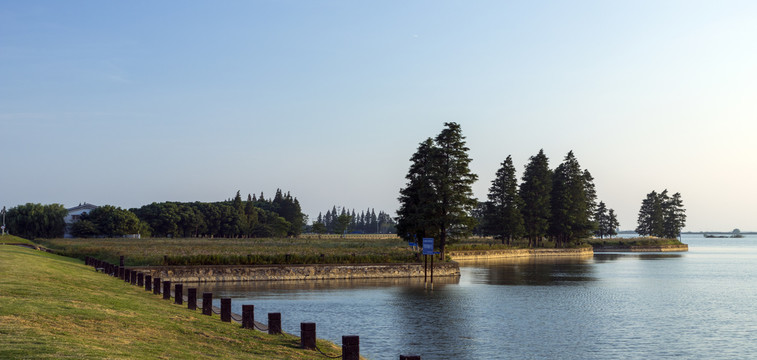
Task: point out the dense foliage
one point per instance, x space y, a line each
607 222
366 222
550 206
501 214
33 221
438 198
107 221
255 217
661 215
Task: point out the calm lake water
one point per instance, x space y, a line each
699 304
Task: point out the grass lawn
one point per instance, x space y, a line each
10 239
56 307
204 251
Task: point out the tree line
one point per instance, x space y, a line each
559 204
366 222
437 201
256 217
661 215
33 221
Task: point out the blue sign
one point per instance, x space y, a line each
412 244
428 246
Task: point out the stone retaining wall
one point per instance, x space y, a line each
222 273
658 248
512 253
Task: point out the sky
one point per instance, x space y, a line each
129 103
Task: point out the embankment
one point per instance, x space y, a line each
643 248
515 253
222 273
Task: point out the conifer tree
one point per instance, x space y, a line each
535 190
571 202
502 217
441 171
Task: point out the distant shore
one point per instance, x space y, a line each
642 248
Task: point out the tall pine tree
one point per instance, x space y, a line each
440 170
502 217
535 190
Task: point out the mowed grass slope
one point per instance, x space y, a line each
56 307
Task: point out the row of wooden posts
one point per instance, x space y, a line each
350 343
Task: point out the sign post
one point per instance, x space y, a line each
428 249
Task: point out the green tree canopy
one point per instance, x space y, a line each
33 221
502 217
535 191
438 198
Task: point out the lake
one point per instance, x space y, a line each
698 304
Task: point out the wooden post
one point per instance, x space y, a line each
148 282
226 309
425 268
166 290
248 316
207 304
140 279
156 285
274 323
127 275
410 357
350 347
121 272
192 298
307 335
178 294
121 261
432 272
134 277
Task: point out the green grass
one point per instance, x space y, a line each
55 307
203 251
10 239
637 241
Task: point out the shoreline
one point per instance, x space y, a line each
236 273
643 248
516 253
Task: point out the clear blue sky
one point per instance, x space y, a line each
126 103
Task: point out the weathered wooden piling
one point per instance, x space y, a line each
192 298
307 335
226 309
350 347
178 294
127 275
274 323
207 303
248 316
140 279
148 282
121 272
134 277
166 290
156 285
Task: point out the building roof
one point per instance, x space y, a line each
83 206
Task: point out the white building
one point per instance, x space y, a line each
74 214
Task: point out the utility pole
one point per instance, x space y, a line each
3 227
